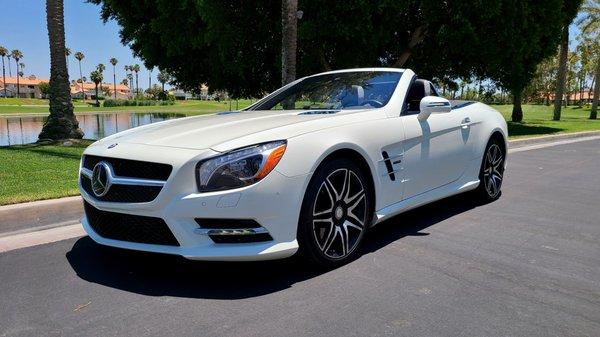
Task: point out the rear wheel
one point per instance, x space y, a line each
335 214
492 171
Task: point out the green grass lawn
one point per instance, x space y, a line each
537 121
36 172
11 106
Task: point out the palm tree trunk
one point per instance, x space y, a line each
4 76
289 23
562 73
61 123
115 82
97 101
594 111
18 86
137 87
81 79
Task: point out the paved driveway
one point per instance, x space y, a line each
526 265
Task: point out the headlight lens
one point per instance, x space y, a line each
239 168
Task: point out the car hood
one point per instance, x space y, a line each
208 131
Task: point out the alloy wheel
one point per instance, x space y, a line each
339 213
493 170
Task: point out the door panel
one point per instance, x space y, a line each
436 151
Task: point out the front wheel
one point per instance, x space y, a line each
491 173
335 214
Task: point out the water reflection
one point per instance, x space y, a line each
25 130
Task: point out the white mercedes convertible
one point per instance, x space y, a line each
307 169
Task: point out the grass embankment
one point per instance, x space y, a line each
537 121
189 107
36 172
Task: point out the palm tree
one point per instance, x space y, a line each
125 81
150 78
17 55
289 35
163 77
79 56
136 70
67 53
9 67
96 77
22 66
3 52
114 62
100 67
61 123
130 77
590 27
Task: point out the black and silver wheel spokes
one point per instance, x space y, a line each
493 170
339 213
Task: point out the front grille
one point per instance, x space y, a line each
131 168
127 227
128 169
123 193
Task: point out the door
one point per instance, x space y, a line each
436 151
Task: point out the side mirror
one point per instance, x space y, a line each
433 105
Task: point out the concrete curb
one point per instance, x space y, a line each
47 214
550 138
40 214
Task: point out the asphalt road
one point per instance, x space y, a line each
525 265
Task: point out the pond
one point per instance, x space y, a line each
20 130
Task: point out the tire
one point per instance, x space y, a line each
336 211
491 173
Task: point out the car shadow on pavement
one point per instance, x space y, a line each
165 275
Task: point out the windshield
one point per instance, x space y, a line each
352 90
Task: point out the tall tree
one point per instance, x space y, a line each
289 37
3 53
426 35
114 62
17 55
61 123
136 70
96 76
79 56
590 27
150 78
8 57
101 67
163 77
562 73
130 78
22 71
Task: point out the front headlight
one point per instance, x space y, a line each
239 168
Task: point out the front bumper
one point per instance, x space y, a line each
274 203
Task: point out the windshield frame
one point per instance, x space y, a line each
260 105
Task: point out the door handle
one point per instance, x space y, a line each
465 123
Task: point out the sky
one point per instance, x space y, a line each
24 28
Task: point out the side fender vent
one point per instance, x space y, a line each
388 165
